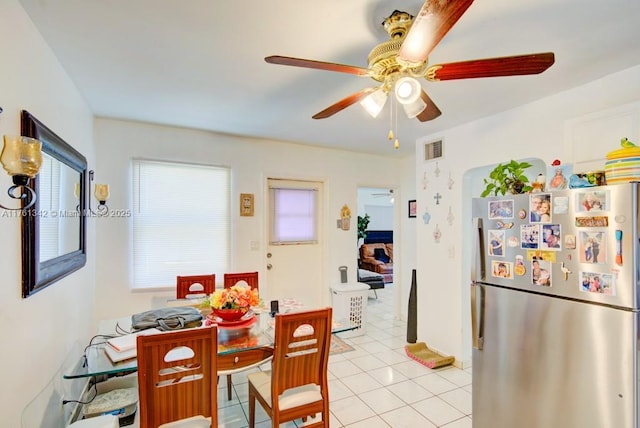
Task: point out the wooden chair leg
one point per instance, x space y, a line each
252 409
229 387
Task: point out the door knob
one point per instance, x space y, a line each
269 266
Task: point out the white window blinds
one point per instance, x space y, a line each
49 205
293 214
181 218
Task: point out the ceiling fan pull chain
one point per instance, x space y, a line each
396 144
390 136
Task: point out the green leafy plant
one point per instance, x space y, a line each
363 223
507 178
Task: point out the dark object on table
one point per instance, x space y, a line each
274 308
173 318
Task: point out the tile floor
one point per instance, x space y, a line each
376 384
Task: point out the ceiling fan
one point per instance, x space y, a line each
396 63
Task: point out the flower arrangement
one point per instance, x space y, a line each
236 297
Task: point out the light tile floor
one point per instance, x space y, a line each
376 384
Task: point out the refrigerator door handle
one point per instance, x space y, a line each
477 265
477 315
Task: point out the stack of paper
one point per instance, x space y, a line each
123 348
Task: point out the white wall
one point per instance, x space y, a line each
380 216
251 161
539 130
38 332
407 238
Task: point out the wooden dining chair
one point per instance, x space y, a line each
175 378
251 278
231 279
184 285
296 386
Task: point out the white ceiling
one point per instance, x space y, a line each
200 63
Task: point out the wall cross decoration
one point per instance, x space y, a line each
437 198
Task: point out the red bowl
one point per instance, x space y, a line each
229 314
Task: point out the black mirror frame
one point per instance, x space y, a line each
37 275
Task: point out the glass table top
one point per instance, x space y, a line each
231 339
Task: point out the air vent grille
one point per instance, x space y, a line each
433 150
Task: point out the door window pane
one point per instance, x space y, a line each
293 215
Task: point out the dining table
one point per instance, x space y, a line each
240 344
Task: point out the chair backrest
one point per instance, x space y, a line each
184 283
301 350
176 376
251 278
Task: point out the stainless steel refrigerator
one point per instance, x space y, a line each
554 309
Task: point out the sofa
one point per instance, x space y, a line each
378 258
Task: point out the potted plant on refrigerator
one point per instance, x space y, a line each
507 178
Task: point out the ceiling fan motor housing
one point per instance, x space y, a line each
383 58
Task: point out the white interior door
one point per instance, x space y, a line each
294 269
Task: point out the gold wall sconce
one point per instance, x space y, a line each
344 222
21 157
101 193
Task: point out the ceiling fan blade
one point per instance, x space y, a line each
432 23
431 111
318 65
492 67
344 103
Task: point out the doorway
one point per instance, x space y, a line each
379 204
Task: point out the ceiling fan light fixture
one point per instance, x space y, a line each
415 108
407 90
374 102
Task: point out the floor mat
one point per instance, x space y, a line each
338 346
421 353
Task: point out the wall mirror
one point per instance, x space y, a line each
53 230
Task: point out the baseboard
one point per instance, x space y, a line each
462 364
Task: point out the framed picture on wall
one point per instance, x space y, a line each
413 208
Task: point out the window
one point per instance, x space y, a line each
181 217
49 204
293 213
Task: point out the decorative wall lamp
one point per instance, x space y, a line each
21 157
101 193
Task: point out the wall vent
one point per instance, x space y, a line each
433 150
